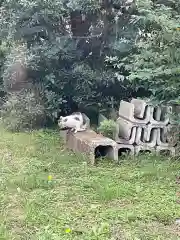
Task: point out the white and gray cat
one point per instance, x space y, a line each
77 122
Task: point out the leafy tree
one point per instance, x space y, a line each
66 43
155 63
93 52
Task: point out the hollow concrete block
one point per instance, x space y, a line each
160 115
121 140
87 142
127 110
140 106
161 149
162 135
138 149
150 128
125 148
161 139
125 129
139 140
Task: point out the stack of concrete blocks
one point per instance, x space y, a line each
140 126
143 127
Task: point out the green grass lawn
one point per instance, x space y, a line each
133 200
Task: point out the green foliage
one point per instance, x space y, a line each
107 128
86 52
155 65
65 47
22 111
64 80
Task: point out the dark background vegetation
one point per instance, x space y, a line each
61 56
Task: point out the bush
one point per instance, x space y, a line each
107 128
22 111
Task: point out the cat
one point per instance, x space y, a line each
76 122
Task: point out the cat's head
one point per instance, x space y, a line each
62 123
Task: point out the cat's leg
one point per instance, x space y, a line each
75 130
78 128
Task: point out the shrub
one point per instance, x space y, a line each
22 111
107 128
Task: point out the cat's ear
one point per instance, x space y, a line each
60 118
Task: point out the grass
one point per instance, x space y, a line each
134 200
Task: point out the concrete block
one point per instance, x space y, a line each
126 111
160 115
148 131
92 144
63 135
142 148
162 135
140 106
164 150
124 128
166 138
125 148
152 138
161 138
131 139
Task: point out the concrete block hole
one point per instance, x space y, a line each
160 116
103 151
165 152
142 152
155 113
144 115
152 135
123 152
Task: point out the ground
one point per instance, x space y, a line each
47 193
